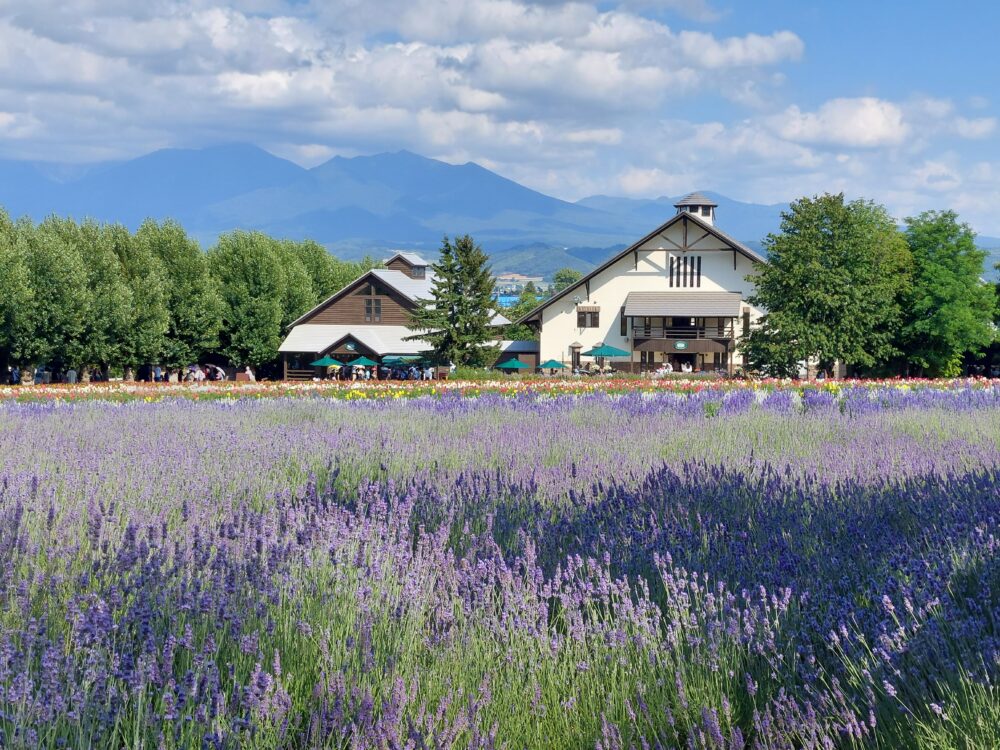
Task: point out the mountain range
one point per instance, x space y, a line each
361 205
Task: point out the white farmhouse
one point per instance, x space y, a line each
679 294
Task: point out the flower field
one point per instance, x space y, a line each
517 566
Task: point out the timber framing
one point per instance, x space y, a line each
696 222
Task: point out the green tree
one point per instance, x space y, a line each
565 277
456 320
17 296
111 314
248 271
194 305
148 280
62 296
297 294
948 309
831 288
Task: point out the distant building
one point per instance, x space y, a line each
514 283
369 317
679 294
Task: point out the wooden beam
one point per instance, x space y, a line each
706 234
588 289
636 254
667 239
684 221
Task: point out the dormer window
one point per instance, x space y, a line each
418 272
706 210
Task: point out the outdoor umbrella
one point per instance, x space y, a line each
327 361
512 364
606 351
362 362
551 365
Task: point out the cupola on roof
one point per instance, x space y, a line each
698 204
696 199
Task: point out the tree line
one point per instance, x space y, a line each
844 283
97 297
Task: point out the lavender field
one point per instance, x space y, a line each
763 570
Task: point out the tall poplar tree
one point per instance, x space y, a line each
456 320
62 296
251 282
194 305
16 295
832 287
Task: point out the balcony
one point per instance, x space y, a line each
723 330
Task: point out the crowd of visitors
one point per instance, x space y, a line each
44 375
380 372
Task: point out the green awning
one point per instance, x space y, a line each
513 364
606 351
404 360
552 365
362 362
327 361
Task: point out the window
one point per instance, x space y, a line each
685 271
574 356
418 272
706 210
624 324
373 311
588 319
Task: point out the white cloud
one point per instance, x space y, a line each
978 127
571 97
602 136
863 122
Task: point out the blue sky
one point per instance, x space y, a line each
764 101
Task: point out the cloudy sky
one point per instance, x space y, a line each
763 101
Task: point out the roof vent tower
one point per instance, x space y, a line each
698 204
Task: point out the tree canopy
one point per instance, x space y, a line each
93 296
563 278
832 288
948 309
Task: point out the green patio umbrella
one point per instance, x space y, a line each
327 361
362 362
512 364
552 365
606 351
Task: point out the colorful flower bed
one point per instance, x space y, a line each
566 386
746 566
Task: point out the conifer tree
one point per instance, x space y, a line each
457 319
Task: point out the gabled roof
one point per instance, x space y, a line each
409 287
412 258
314 338
403 283
634 247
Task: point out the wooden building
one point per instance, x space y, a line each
678 295
369 317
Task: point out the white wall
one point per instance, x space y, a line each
610 287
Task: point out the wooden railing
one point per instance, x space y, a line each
309 374
721 331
